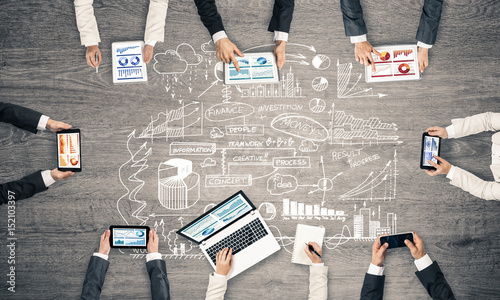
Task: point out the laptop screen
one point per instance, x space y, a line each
217 218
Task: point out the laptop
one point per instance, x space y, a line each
234 223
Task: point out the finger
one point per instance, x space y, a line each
357 58
435 165
92 59
375 51
432 130
373 67
88 61
230 254
99 57
382 249
410 245
240 54
281 60
217 258
440 159
367 60
416 238
430 172
235 62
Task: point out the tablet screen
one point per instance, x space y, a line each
68 150
431 148
129 237
254 67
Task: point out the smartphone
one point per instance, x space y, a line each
123 236
431 145
69 156
396 240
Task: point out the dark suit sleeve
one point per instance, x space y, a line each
94 279
429 21
19 116
23 188
373 287
282 16
352 14
433 280
157 270
207 10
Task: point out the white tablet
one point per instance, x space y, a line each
128 63
395 63
254 68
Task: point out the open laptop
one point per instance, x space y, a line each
234 223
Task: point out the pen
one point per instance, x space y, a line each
312 250
97 61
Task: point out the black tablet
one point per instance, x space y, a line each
431 145
129 236
69 156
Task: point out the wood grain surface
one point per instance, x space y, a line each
42 66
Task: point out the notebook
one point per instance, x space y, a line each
304 235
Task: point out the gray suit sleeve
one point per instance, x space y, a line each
429 21
352 14
94 279
157 270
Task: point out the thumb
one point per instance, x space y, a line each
375 51
383 248
439 158
238 51
410 245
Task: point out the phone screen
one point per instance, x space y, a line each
396 240
431 148
68 150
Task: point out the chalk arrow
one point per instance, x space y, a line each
300 62
211 85
308 47
180 220
299 56
190 89
167 88
381 95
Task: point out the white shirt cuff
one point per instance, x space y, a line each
358 38
375 270
280 36
103 256
219 35
451 131
318 264
91 44
423 262
219 275
42 123
47 178
424 45
450 173
150 42
153 256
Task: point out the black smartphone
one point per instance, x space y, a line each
431 145
396 240
123 236
69 156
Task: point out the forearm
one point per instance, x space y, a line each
155 23
86 22
488 190
488 121
207 10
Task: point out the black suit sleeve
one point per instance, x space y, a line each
352 14
373 287
94 279
207 10
282 16
23 188
19 116
433 280
429 21
157 270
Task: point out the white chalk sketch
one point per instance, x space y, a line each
208 162
308 146
288 87
176 61
378 185
321 62
181 122
216 133
319 84
300 126
178 185
295 210
269 211
346 130
345 89
208 47
317 105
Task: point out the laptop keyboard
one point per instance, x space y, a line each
240 239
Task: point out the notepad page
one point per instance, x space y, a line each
304 235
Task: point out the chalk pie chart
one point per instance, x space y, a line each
319 84
317 105
321 62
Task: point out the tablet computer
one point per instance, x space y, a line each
69 156
395 63
129 236
254 68
431 145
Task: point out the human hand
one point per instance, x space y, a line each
148 53
379 252
443 168
312 256
91 51
104 247
417 250
423 58
363 53
279 51
59 175
56 126
437 131
224 261
225 52
153 242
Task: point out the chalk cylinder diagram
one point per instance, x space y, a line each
178 185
